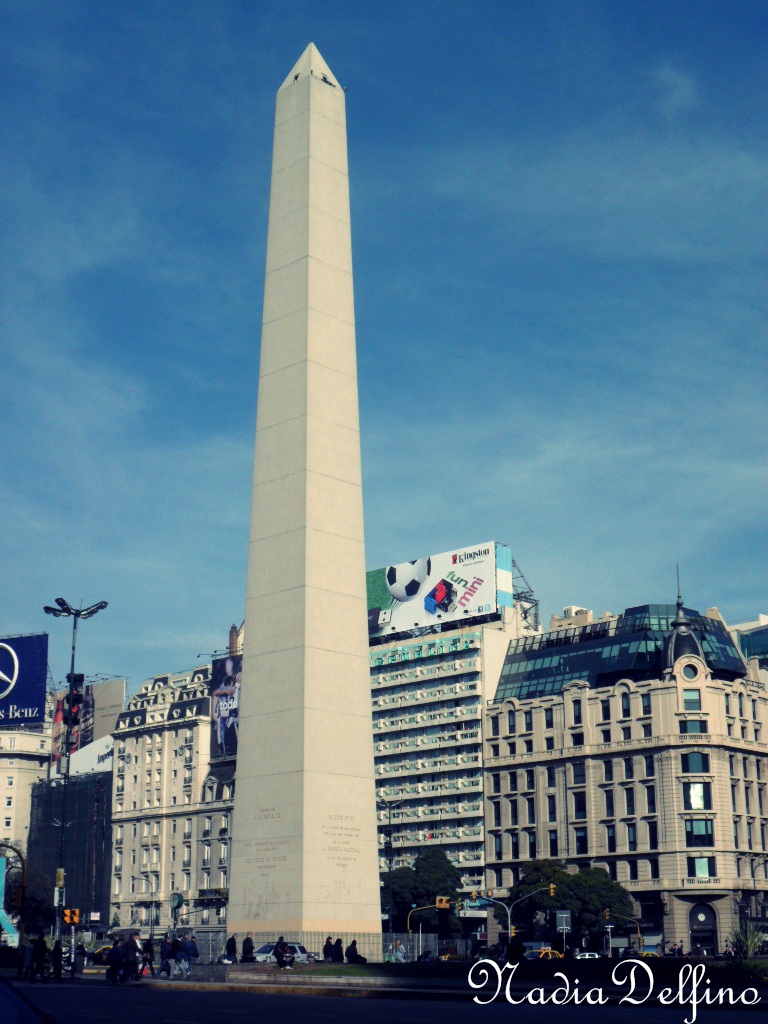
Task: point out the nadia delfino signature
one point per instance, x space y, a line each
692 990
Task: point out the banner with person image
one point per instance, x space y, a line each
225 704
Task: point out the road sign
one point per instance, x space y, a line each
563 920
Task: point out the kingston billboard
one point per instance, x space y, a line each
23 672
435 589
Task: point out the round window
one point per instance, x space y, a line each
690 671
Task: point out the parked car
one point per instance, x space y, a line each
543 954
264 954
587 956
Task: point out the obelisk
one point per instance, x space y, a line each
304 850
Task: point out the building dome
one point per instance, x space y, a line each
682 640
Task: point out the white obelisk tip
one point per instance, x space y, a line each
310 62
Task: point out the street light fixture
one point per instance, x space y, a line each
64 609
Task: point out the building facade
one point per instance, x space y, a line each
636 744
24 761
429 688
171 810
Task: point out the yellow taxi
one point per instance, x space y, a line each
543 954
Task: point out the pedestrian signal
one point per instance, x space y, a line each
442 903
552 888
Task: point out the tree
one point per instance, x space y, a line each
38 913
587 894
747 940
432 875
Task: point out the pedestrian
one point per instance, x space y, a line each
328 950
283 955
114 961
231 950
165 956
148 958
337 954
353 957
399 952
182 956
247 951
56 959
39 954
131 952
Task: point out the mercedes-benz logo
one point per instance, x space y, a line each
10 680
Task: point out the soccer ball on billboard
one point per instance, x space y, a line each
404 581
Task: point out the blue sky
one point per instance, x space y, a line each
558 214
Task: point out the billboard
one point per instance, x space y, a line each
102 703
23 672
226 674
432 590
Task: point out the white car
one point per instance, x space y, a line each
587 956
265 955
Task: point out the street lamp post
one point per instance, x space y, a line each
389 855
74 699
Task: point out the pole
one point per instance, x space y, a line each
65 787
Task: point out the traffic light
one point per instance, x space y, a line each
512 931
67 916
74 700
607 915
552 888
474 895
75 916
459 906
59 878
442 903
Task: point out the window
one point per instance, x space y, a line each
695 762
549 742
700 832
553 844
629 768
625 705
510 721
702 867
605 735
511 748
653 867
693 725
551 808
741 705
496 819
577 712
605 710
650 799
531 805
609 808
727 704
650 769
653 836
9 801
494 750
629 798
610 837
626 732
633 871
691 700
550 776
580 836
579 773
529 778
513 813
495 725
532 845
647 730
697 796
631 837
7 822
496 782
527 721
645 703
515 846
497 847
513 782
528 744
9 780
580 804
549 718
608 771
577 739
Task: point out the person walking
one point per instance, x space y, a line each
57 958
39 954
165 956
131 952
247 950
231 949
147 958
114 962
